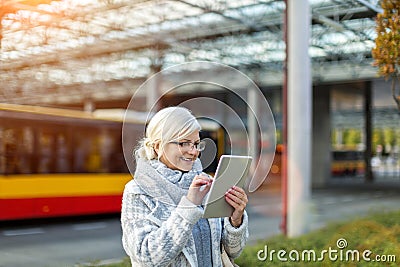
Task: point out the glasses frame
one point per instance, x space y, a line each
199 146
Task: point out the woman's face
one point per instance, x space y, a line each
181 156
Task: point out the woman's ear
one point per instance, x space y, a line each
156 148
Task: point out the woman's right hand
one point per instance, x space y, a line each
200 186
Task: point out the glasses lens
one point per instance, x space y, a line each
201 146
186 145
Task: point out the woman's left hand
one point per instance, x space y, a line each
237 198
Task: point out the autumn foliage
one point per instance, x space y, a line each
387 44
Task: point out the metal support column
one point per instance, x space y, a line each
299 117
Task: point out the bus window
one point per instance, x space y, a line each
16 150
83 146
25 150
116 157
46 149
94 158
9 149
105 145
63 155
99 152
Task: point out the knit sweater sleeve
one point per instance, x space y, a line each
234 239
148 240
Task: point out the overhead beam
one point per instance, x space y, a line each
327 21
372 7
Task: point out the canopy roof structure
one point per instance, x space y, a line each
67 51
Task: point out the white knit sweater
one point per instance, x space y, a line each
158 232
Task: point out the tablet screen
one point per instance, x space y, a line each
231 171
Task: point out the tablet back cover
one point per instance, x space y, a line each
232 170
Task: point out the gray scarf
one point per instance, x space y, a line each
162 183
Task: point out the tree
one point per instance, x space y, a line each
386 53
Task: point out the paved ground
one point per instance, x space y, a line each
342 199
60 244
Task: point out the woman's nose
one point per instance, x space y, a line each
192 151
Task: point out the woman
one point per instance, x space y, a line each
161 216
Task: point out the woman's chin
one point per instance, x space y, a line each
185 166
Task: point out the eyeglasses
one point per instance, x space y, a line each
199 146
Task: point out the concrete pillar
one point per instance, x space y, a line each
153 93
321 141
88 105
299 117
252 123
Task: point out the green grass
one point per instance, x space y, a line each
379 233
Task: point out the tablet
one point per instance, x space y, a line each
231 171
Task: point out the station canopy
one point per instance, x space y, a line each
64 52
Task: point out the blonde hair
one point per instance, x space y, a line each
167 125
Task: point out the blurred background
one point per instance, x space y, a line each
68 70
